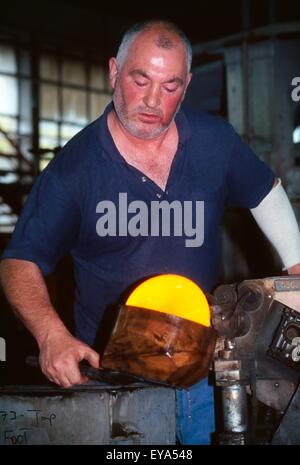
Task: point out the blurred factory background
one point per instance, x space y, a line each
53 82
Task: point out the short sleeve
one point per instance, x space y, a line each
248 178
48 225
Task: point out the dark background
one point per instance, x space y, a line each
100 25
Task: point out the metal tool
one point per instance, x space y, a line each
102 374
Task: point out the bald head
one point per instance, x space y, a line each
164 34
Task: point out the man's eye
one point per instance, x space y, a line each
140 84
170 89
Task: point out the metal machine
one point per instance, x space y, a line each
258 353
256 363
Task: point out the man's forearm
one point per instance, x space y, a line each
26 291
277 220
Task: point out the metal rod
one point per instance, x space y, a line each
234 401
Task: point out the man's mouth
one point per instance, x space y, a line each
149 117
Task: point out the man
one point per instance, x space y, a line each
144 148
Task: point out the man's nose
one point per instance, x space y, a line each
152 97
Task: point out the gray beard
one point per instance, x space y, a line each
132 128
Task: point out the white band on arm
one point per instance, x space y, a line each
276 218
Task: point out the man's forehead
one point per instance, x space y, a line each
149 51
157 61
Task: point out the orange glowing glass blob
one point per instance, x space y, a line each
172 294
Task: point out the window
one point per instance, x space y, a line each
15 132
70 94
296 135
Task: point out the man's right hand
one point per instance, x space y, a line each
60 354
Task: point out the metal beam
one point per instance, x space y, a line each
259 33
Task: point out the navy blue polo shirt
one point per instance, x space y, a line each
212 165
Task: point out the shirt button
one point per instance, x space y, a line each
144 179
158 196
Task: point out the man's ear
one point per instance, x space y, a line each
113 72
188 79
